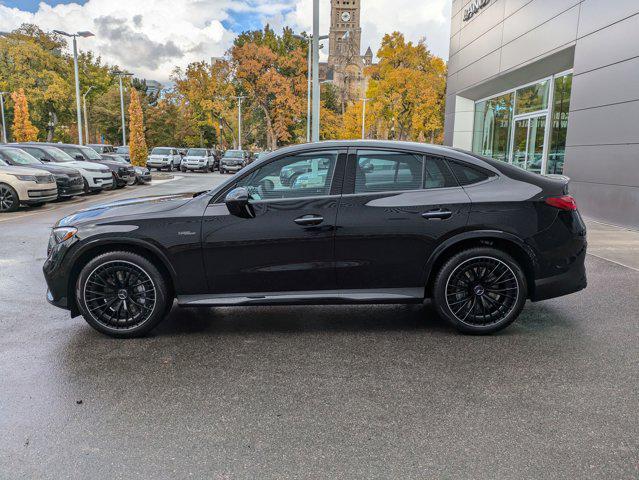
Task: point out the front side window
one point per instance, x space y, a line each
306 175
383 171
74 152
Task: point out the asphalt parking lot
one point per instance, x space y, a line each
313 392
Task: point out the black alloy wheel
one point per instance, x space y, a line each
121 294
480 290
9 200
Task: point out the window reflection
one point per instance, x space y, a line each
559 124
532 98
492 127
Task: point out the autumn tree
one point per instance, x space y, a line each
23 130
271 71
407 91
137 142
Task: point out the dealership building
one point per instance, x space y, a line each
553 87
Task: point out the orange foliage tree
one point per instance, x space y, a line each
23 130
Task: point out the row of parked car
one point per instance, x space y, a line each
34 173
198 159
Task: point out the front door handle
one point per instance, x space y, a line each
307 220
441 214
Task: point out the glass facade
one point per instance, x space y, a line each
492 127
527 126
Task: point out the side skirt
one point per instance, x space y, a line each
321 297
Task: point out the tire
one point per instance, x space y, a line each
222 172
183 169
170 167
110 276
86 186
480 290
9 200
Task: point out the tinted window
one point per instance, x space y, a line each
297 176
467 175
380 171
437 174
75 153
35 152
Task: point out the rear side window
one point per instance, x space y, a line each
383 171
437 174
467 175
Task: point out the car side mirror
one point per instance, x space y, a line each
44 159
79 157
368 168
237 201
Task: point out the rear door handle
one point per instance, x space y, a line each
309 220
441 214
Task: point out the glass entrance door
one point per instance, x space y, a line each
528 142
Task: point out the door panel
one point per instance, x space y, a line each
383 239
289 245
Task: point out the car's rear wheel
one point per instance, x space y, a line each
122 294
9 200
480 290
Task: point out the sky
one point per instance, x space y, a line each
151 37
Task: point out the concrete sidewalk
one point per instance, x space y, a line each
615 244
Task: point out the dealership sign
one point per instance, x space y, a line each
474 7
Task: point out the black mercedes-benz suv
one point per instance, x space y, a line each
367 222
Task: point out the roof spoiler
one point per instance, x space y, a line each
560 178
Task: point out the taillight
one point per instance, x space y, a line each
565 202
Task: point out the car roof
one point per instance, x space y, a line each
426 148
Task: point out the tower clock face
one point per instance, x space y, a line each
346 16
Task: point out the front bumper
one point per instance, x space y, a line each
231 167
70 190
101 182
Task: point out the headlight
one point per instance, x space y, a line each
25 178
62 234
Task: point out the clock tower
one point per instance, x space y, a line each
345 33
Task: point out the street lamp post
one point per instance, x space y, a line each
4 125
364 101
86 118
239 120
77 78
121 74
316 85
309 39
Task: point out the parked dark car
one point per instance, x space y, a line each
142 174
68 180
121 173
476 235
233 161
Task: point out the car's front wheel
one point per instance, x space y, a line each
480 290
9 200
122 294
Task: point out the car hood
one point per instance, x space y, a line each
124 208
23 170
53 169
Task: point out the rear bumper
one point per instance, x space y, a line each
570 281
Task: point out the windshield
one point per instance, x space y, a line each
73 152
196 152
57 154
234 154
124 150
92 154
161 151
19 157
2 163
114 158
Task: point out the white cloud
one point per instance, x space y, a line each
151 37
